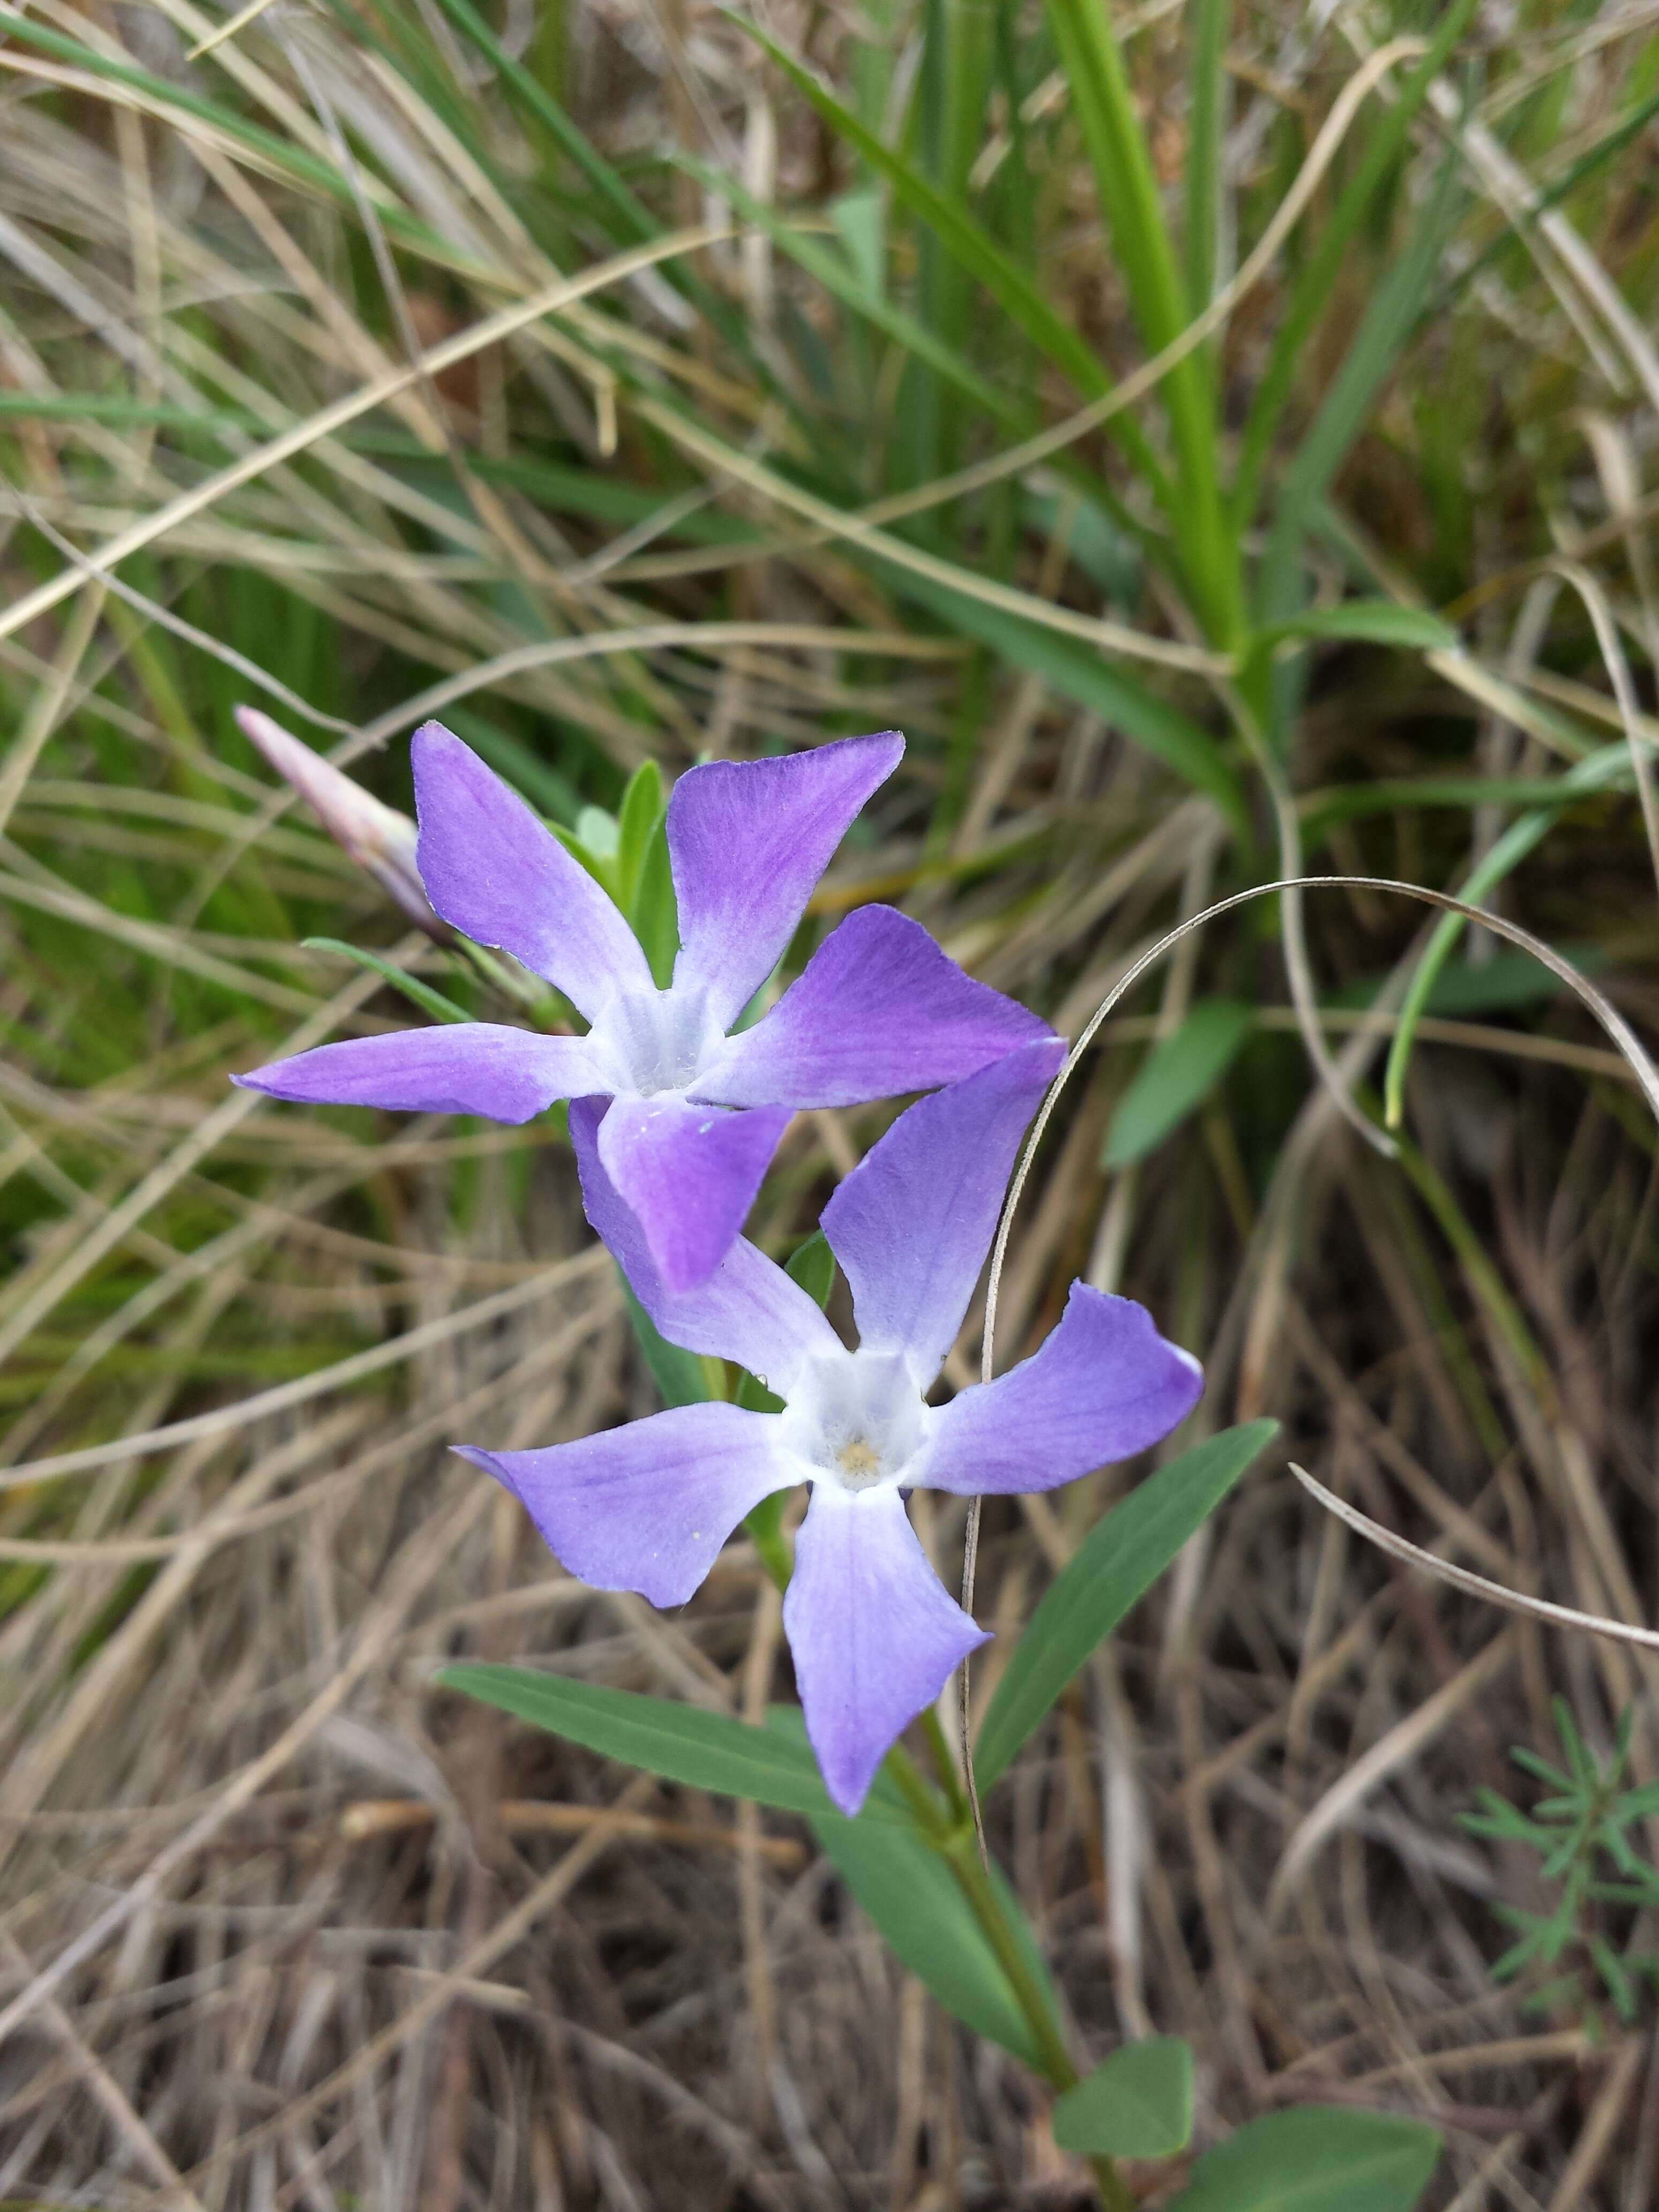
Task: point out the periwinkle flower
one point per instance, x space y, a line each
874 1634
693 1113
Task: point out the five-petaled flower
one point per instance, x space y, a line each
875 1635
693 1113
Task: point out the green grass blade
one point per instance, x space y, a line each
979 254
1316 283
1130 203
1521 837
417 992
1070 668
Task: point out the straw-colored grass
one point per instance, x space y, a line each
333 380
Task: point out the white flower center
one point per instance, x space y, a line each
655 1040
856 1417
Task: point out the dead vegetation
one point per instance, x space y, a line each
279 1925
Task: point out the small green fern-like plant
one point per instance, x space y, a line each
1585 1835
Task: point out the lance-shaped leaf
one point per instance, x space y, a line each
682 1743
1118 1562
1174 1079
906 1886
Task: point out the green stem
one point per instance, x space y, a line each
952 1835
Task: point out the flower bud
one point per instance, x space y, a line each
380 838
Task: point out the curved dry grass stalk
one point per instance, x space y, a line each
1464 1579
1629 1046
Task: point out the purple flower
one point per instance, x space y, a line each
694 1113
875 1635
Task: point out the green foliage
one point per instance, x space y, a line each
665 1736
1175 1078
1316 2158
1136 2104
1116 1563
906 1885
1585 1836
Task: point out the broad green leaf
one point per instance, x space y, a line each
1117 1563
1175 1078
1136 2104
906 1888
1372 622
681 1376
1316 2158
417 992
683 1743
1388 794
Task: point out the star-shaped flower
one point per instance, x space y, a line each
694 1113
875 1635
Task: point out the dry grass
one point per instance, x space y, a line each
275 1927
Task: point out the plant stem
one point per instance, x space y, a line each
952 1835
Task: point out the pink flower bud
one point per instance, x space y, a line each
380 838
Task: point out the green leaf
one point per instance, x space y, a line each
812 1264
637 819
1372 622
683 1743
601 833
655 911
1136 2104
1118 1562
1316 2158
906 1886
417 992
1175 1078
680 1375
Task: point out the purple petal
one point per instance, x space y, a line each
1104 1385
648 1506
690 1174
874 1632
500 876
748 840
880 1009
748 1311
911 1225
459 1068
